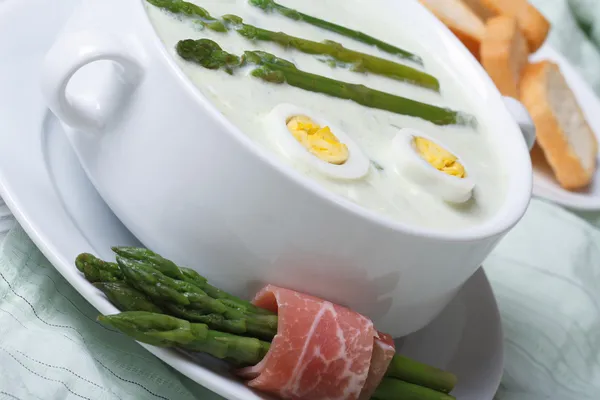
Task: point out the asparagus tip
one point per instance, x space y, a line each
82 259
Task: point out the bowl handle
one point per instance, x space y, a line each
71 53
520 114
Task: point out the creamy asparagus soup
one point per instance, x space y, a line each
351 103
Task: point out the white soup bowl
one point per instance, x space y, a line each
145 136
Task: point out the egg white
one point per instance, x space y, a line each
410 165
357 165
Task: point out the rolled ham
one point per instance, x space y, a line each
322 351
384 350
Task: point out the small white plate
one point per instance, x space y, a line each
48 192
544 183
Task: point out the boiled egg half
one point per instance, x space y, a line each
303 136
431 167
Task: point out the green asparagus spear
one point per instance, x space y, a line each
400 368
270 5
166 331
229 300
96 270
191 10
360 62
153 328
167 267
183 7
208 54
240 350
259 326
172 270
151 282
159 287
395 389
421 374
126 298
277 70
214 321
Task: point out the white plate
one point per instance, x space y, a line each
544 183
49 194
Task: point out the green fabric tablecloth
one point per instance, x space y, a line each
545 274
575 34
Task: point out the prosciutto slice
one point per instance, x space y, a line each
384 350
322 351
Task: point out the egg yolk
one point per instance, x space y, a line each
440 158
318 140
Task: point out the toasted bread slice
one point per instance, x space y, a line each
504 54
461 20
482 10
534 25
568 142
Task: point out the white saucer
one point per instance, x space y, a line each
544 183
44 186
